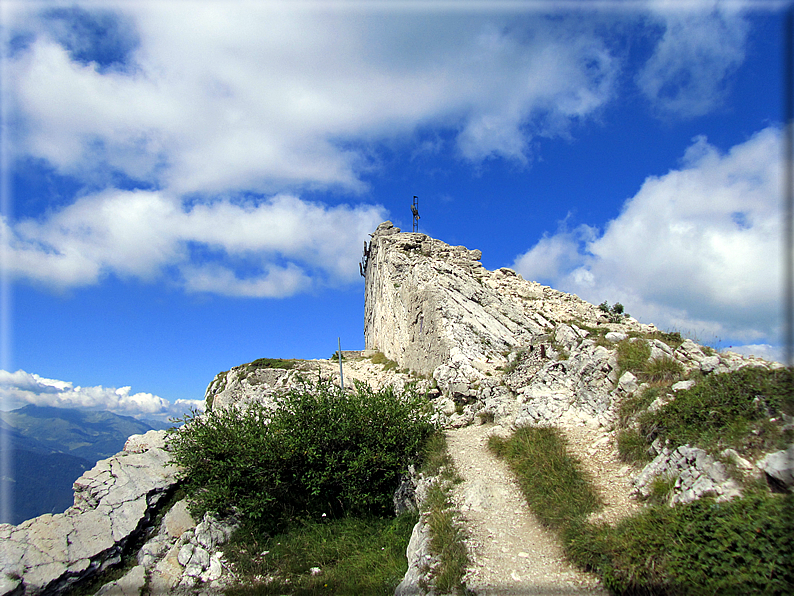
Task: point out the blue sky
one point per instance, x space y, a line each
188 185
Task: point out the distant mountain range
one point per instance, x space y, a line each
51 447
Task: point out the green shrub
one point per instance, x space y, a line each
552 481
742 546
741 409
319 451
615 313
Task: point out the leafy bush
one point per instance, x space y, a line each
319 451
614 312
742 546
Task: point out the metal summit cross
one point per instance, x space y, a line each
415 212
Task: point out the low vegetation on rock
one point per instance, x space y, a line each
744 410
319 451
706 546
447 538
312 480
347 556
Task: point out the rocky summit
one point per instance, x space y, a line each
484 345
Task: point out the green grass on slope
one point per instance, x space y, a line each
744 546
446 534
354 556
553 484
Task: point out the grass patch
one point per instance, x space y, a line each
355 556
380 358
633 355
663 370
632 405
671 338
633 446
742 410
446 535
269 363
742 546
553 484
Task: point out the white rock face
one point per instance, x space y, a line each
112 503
434 309
695 473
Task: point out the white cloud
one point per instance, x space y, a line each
274 247
259 97
220 100
20 388
765 351
697 249
702 45
554 253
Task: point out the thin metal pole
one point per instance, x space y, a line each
341 372
788 186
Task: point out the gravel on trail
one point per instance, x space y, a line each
512 554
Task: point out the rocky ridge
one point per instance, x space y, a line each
485 345
113 504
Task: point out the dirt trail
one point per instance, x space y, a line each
513 554
612 478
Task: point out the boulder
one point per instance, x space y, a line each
779 469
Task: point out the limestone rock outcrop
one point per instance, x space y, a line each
113 503
694 473
481 343
434 309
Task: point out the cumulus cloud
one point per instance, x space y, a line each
696 249
20 388
258 97
765 351
702 44
218 101
274 247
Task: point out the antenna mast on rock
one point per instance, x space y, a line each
415 212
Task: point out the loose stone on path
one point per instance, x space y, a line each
512 553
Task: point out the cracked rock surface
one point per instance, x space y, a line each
112 503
